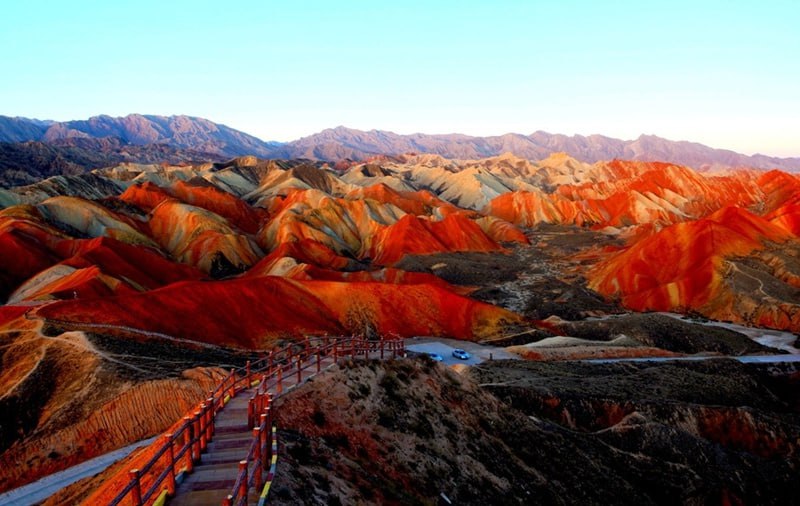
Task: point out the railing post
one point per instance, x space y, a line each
228 501
207 424
197 437
280 380
335 358
189 432
233 384
211 416
136 491
171 475
250 410
265 440
258 458
299 372
201 418
319 358
243 484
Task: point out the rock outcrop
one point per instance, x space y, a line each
522 433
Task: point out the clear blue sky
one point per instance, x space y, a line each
723 73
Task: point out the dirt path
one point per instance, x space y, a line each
39 490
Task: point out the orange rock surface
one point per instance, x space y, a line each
143 267
63 403
412 235
411 310
145 195
306 250
683 266
237 212
416 203
642 193
199 237
186 399
253 312
381 232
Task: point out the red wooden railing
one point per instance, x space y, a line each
260 411
178 451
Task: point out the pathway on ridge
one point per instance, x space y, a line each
214 476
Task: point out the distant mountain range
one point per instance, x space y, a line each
184 132
345 143
23 163
32 149
41 148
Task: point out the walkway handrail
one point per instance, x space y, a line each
178 451
181 448
185 443
260 411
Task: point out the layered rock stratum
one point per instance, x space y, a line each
143 277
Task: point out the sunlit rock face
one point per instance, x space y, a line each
726 266
299 220
624 194
255 312
66 397
243 255
293 237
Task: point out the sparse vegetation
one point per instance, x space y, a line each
533 435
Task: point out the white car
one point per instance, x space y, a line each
461 354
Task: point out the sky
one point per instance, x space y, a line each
726 74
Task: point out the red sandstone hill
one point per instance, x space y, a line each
637 193
705 265
148 260
66 398
303 222
254 312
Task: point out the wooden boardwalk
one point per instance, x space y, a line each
225 449
215 475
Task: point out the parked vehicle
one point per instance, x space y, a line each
461 354
436 357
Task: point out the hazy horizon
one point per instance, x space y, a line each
719 74
418 132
